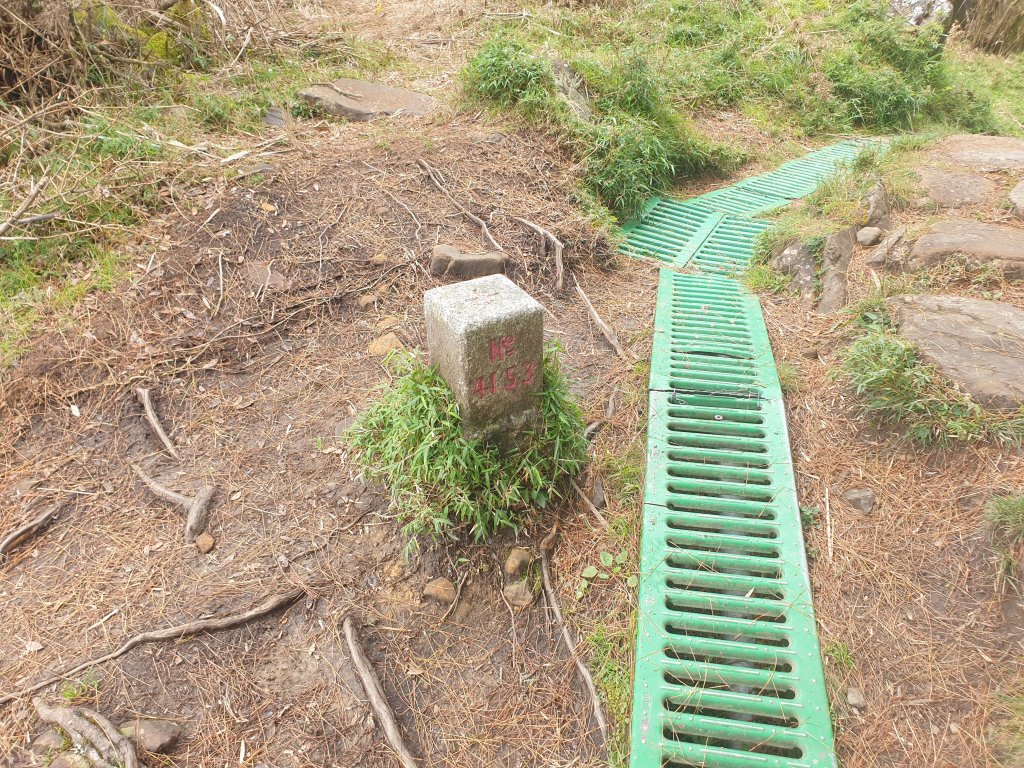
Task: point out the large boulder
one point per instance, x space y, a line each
1017 199
361 101
953 189
797 261
1000 246
835 262
978 344
983 153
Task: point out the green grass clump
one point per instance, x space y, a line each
441 483
633 145
1006 514
897 387
611 657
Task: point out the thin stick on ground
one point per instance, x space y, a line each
556 247
436 181
455 602
546 547
34 189
590 505
606 330
595 426
188 629
375 693
94 734
29 529
197 515
154 421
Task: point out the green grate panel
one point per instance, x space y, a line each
728 669
664 228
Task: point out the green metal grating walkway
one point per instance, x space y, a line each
728 668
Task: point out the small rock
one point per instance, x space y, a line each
811 353
891 253
862 499
597 497
47 741
449 261
440 589
259 275
361 101
855 698
276 117
1017 199
878 214
869 235
797 260
386 343
834 264
387 323
153 735
71 760
519 559
378 259
367 300
519 593
205 543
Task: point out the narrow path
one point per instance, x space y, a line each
728 667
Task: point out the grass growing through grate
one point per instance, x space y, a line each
897 387
443 484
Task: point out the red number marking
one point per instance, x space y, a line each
531 374
501 347
511 379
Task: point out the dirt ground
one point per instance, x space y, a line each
249 312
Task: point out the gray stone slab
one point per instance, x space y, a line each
486 337
952 189
359 100
1003 247
978 344
983 153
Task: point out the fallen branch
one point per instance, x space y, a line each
103 745
171 633
595 426
546 546
29 529
154 421
33 192
556 246
374 692
590 505
436 180
605 329
197 515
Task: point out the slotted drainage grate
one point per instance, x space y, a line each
728 670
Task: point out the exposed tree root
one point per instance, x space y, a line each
374 692
94 734
436 180
602 326
197 516
29 529
154 421
556 247
171 633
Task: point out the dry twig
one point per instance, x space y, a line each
34 189
95 735
455 602
606 330
19 535
171 633
154 421
436 180
546 546
590 505
197 515
556 247
374 692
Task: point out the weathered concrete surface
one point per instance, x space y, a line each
978 344
449 261
1003 247
486 338
361 101
983 153
835 262
797 261
953 189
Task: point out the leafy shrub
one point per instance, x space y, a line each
505 72
442 483
898 387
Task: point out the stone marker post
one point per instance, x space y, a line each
486 337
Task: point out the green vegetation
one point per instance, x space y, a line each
839 654
441 483
81 689
611 658
898 388
1006 516
795 67
789 376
